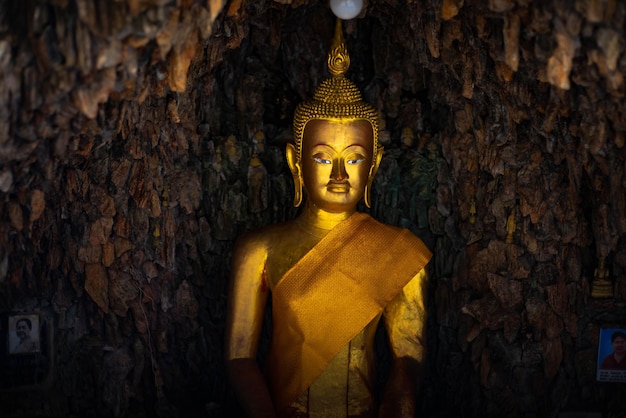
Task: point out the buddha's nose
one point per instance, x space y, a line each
339 171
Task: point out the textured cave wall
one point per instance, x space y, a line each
139 138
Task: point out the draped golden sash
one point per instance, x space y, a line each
331 294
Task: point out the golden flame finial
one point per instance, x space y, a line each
338 57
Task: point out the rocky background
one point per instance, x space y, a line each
138 138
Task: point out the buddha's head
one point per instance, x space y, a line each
336 153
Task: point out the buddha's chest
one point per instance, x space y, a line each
285 253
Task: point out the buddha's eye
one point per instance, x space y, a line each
354 159
321 159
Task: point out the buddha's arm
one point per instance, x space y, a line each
405 322
246 304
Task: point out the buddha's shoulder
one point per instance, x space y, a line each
267 237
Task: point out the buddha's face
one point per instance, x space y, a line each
336 161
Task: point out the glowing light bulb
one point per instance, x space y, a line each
346 9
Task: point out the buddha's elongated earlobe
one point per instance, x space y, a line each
370 177
297 185
296 173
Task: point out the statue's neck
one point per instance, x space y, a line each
319 222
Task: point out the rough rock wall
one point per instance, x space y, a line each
139 138
533 97
103 219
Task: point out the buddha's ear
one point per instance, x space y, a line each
296 172
372 174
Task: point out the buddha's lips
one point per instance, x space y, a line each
338 186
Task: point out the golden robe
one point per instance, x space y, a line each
333 296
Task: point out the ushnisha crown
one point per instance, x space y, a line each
336 98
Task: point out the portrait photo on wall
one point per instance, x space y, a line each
23 334
26 356
612 355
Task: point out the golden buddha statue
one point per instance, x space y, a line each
333 274
601 286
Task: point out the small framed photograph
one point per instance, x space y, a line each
612 355
26 354
24 334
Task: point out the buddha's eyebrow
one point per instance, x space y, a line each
331 146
